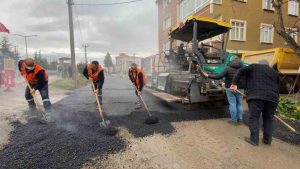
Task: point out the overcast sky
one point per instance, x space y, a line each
130 28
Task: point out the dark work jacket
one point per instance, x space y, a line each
229 72
262 82
40 77
101 78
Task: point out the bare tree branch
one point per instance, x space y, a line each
281 29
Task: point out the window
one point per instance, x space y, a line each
201 4
238 31
166 47
166 3
268 5
217 1
189 7
293 33
293 7
266 33
167 23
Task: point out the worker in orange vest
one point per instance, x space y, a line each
138 79
94 72
37 78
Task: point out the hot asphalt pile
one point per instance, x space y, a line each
69 145
76 138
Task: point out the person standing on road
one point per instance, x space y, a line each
263 96
94 73
235 100
137 77
37 78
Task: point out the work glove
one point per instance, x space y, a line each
98 91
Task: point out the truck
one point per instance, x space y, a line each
284 60
183 81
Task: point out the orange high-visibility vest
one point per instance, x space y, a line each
94 76
134 77
31 77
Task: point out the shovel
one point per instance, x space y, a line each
103 123
277 117
40 108
151 119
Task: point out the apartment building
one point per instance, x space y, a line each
252 21
123 62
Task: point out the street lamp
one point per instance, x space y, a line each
25 37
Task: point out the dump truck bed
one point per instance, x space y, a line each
285 60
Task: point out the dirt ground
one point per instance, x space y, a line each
202 144
183 139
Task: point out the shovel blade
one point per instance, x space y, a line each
104 123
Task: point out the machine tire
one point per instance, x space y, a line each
286 84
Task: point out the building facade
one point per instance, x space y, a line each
252 21
123 62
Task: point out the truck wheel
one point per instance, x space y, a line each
287 84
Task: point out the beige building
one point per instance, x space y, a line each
153 64
123 62
252 21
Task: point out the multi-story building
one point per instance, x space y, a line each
252 21
123 62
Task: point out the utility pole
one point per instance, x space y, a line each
15 51
73 61
85 46
25 38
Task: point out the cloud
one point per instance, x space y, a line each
130 28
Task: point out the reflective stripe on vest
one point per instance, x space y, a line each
94 75
31 77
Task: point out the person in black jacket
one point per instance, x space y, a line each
235 100
263 97
94 72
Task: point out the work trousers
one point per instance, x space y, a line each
44 94
235 105
267 109
100 92
138 99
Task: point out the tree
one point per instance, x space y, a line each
5 48
40 60
80 67
108 60
280 27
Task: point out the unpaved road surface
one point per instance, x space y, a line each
185 137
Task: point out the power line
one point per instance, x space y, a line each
78 23
107 4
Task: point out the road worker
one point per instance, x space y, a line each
95 73
37 78
138 79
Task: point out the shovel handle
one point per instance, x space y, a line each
285 124
144 103
35 98
98 102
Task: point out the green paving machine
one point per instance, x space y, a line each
183 81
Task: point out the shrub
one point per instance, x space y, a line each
289 108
